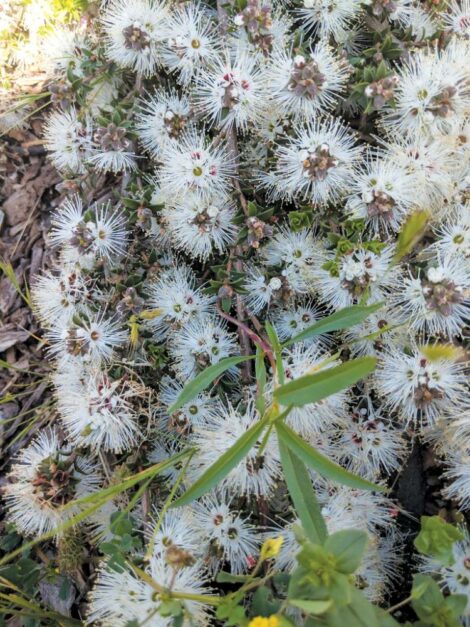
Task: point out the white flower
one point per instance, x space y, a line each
292 320
381 193
432 92
192 165
351 275
199 226
346 508
59 296
91 339
294 253
119 598
458 474
231 92
111 150
102 235
67 139
437 300
418 389
175 528
202 342
260 290
63 49
316 166
454 235
135 31
227 535
457 17
191 45
254 475
195 413
369 442
303 86
174 300
430 164
329 17
97 410
161 118
46 476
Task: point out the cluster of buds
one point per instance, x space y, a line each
112 137
61 94
130 302
381 91
318 162
174 124
442 105
425 392
381 7
203 219
256 18
379 204
441 294
306 80
257 231
54 481
135 37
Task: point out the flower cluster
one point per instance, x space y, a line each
240 171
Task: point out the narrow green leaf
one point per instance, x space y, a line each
312 607
205 378
303 495
271 331
224 464
315 387
342 319
320 463
224 577
411 232
261 377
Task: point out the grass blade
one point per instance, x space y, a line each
324 466
224 464
342 319
205 378
302 494
315 387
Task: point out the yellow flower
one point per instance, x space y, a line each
271 548
261 621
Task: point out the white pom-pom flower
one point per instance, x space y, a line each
45 477
316 166
135 31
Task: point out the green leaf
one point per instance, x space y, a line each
271 331
363 610
224 464
320 463
312 607
437 538
303 495
342 319
205 378
432 607
224 577
315 387
261 377
411 232
348 546
264 603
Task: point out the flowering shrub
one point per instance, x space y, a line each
260 305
